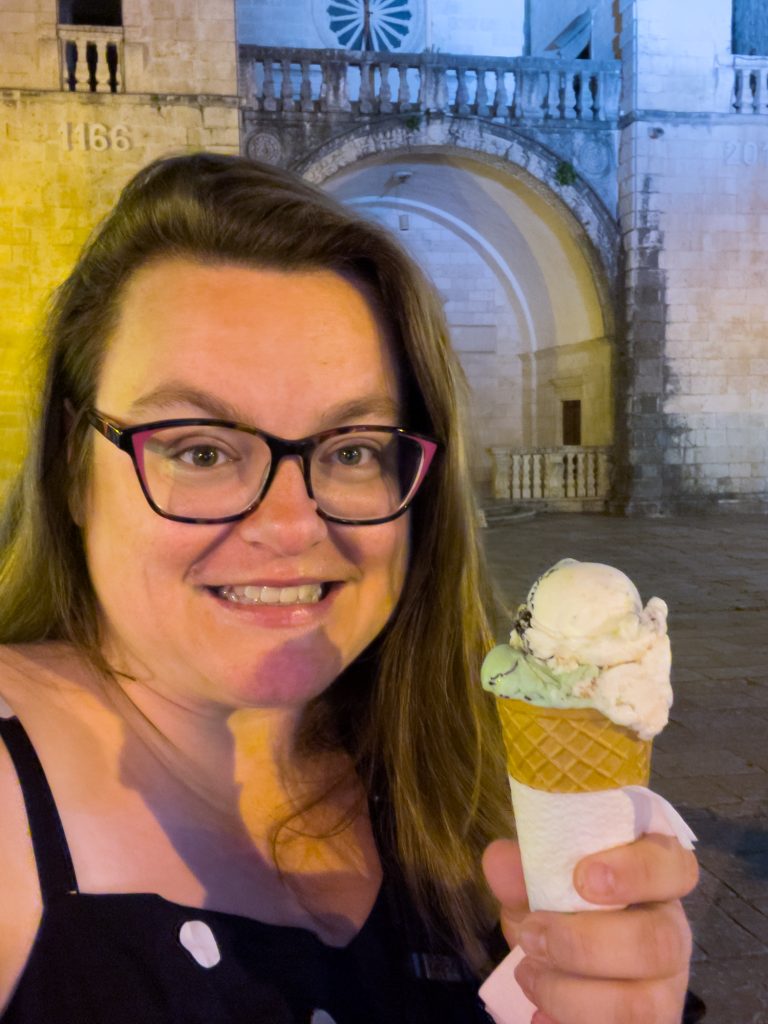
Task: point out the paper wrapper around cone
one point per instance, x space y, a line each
567 767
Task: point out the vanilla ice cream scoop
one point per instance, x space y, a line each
584 639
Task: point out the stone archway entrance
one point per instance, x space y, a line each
526 271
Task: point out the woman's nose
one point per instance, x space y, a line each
286 517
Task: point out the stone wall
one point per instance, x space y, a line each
693 384
67 154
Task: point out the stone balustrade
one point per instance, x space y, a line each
276 79
571 475
750 85
91 58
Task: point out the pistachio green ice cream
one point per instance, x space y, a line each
509 672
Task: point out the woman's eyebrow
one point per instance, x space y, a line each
175 393
381 405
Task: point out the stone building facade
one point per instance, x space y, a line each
584 182
81 109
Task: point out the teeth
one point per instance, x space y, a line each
309 593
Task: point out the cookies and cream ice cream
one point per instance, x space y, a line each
584 640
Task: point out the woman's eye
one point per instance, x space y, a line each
202 456
355 455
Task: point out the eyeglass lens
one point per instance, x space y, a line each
214 472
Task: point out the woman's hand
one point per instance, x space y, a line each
613 966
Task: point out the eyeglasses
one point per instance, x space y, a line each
218 471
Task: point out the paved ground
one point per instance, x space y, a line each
712 760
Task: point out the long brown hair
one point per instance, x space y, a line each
410 711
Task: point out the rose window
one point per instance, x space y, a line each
370 24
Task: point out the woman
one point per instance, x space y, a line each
244 612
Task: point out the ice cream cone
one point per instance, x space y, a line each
570 750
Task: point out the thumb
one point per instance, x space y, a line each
503 870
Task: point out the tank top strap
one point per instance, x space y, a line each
55 869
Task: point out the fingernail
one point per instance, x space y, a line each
526 974
598 880
534 941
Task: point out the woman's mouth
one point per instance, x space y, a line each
304 594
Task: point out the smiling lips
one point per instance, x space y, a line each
306 593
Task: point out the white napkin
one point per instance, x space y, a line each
556 830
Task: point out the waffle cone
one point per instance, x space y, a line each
570 750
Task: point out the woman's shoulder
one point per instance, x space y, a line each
20 900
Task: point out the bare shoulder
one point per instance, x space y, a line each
20 902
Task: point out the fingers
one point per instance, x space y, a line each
643 942
653 868
504 874
566 999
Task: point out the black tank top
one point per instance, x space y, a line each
134 957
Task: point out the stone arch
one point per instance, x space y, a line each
552 250
502 148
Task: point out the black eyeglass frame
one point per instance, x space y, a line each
279 449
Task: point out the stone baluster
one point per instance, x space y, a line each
481 96
82 70
555 483
571 95
269 102
385 90
462 105
500 96
69 65
536 488
739 89
115 65
554 93
590 102
286 86
580 98
98 66
603 474
757 98
502 458
305 92
746 101
526 476
517 473
748 95
404 91
568 489
581 475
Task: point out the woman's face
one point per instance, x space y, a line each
292 354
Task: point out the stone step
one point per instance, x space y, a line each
496 512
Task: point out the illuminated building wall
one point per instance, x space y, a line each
66 154
693 181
